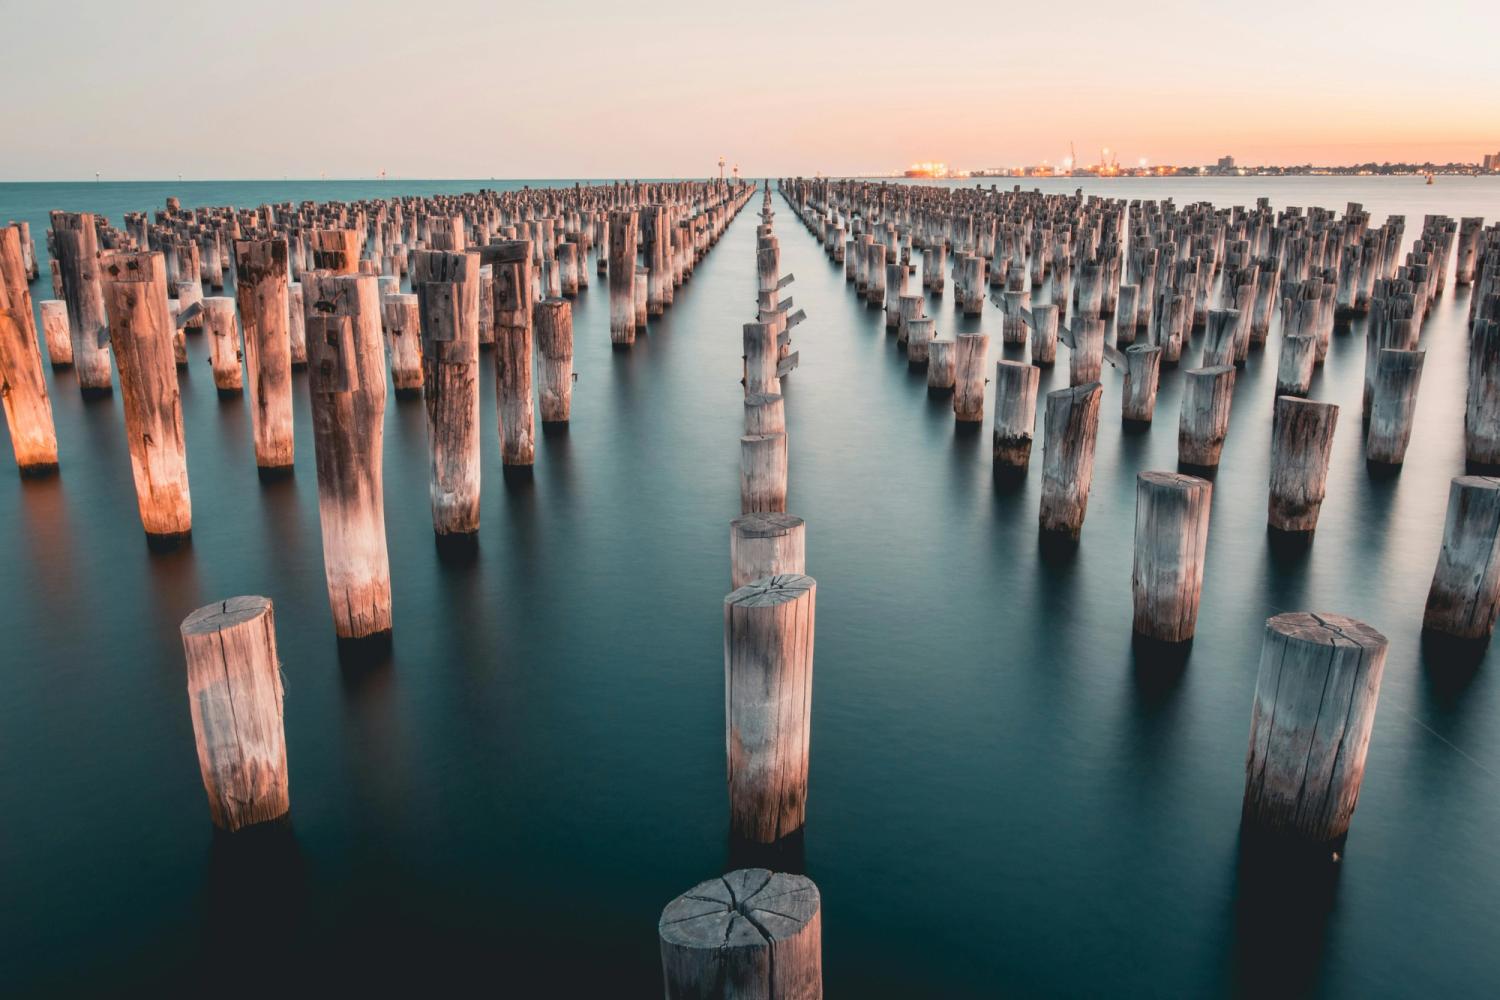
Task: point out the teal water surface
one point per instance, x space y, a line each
1004 800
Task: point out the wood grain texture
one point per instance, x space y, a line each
1301 443
970 363
221 328
56 334
1171 538
1465 592
766 544
76 249
1394 406
1314 708
449 288
763 473
1072 429
266 311
554 352
346 378
141 333
515 403
1207 395
401 322
1142 375
235 696
1015 412
750 934
768 671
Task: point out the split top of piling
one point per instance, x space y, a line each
770 591
766 525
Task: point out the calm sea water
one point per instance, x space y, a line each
1004 800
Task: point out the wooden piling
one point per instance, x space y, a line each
1301 442
1072 429
1171 538
763 472
222 331
55 333
768 672
1206 398
76 253
23 393
622 251
1015 413
766 544
1142 374
554 348
1465 592
141 333
511 260
1294 369
268 313
1315 701
448 289
941 364
970 356
1397 375
1044 335
346 377
748 934
401 321
235 697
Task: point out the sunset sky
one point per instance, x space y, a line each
583 88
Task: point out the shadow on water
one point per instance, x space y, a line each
789 854
1157 669
366 666
175 590
254 899
1283 905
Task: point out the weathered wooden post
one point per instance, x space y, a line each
1171 537
763 469
554 348
296 325
1072 428
969 366
401 322
919 335
751 933
1142 373
1044 335
76 250
760 356
1086 359
622 249
765 413
1482 404
23 393
140 331
1310 728
235 694
334 250
448 288
768 672
266 313
766 544
511 260
1465 590
55 333
1397 374
941 365
346 376
1294 369
223 334
1015 413
1206 398
1301 442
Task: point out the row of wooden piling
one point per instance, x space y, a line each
350 325
754 932
1017 240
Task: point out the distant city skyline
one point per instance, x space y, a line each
580 88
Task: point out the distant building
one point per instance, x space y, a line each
1225 165
1492 161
